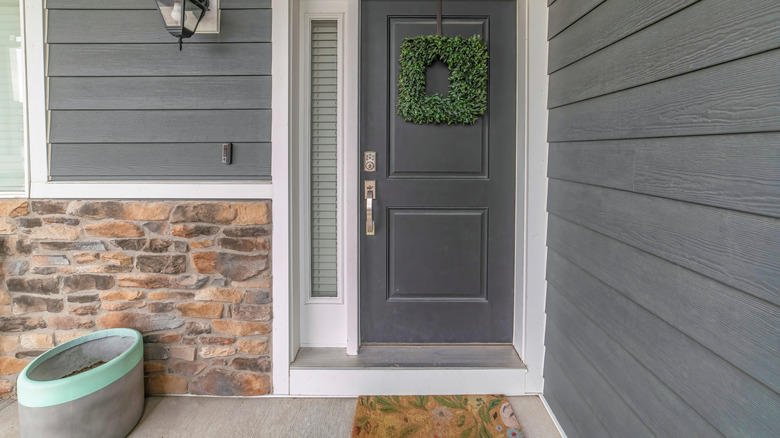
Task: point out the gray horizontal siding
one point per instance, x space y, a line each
159 93
731 400
735 325
154 126
124 4
610 22
707 33
224 59
664 231
173 161
613 413
101 26
737 172
565 12
722 244
739 96
126 104
560 384
659 407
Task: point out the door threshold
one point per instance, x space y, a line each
408 370
411 356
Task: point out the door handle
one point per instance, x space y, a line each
370 195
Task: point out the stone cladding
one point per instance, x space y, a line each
193 277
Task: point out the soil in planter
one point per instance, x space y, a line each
85 369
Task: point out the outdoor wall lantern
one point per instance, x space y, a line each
181 17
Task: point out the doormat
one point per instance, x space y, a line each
436 416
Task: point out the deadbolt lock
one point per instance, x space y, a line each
369 161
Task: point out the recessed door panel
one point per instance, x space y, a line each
437 254
434 151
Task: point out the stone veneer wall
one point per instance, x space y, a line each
193 277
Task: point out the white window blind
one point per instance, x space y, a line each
324 176
11 98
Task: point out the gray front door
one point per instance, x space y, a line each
440 266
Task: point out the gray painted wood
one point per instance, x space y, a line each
612 411
182 161
676 101
155 126
708 33
222 59
124 4
126 104
729 399
663 411
145 26
738 96
454 356
158 93
563 13
735 248
737 172
738 327
576 404
602 163
567 425
609 23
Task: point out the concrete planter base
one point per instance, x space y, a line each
106 401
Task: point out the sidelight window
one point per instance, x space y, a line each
324 138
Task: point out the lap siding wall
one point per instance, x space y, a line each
125 104
664 229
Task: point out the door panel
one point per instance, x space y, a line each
427 150
440 266
442 247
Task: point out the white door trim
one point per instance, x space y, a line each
534 288
531 197
284 349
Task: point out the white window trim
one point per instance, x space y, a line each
323 322
25 112
38 184
305 154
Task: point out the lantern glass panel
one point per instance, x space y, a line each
192 16
171 11
181 17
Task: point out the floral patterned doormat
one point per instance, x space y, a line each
437 416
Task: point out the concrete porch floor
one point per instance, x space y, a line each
203 417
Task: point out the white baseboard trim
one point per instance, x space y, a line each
415 381
552 415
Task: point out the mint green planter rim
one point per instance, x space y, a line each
38 394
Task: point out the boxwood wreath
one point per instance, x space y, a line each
467 60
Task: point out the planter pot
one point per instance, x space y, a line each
104 401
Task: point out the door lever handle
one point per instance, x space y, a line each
370 195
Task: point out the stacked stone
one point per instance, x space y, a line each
193 277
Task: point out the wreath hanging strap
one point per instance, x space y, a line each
467 60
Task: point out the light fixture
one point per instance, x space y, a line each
181 17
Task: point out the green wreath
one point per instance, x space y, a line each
467 60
